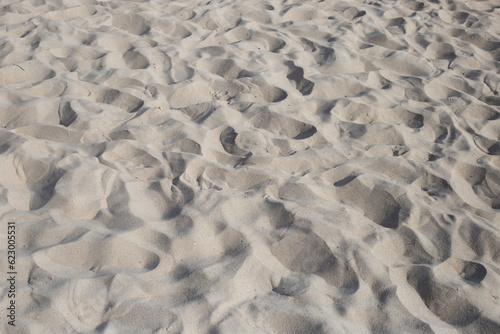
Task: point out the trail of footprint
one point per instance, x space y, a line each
226 68
283 125
80 193
445 302
263 316
67 114
480 240
133 23
25 74
477 39
476 185
94 253
309 254
227 139
296 74
135 60
120 99
29 175
258 90
377 204
87 302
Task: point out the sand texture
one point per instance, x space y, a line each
253 166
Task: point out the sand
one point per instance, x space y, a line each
254 166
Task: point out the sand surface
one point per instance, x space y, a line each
253 166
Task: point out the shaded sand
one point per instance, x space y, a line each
255 166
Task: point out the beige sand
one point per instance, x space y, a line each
253 166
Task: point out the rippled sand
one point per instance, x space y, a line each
254 166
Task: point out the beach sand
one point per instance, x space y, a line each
253 166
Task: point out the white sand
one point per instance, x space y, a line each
253 166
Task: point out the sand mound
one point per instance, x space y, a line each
255 166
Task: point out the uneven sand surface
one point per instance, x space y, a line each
253 166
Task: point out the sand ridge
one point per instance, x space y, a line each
256 166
